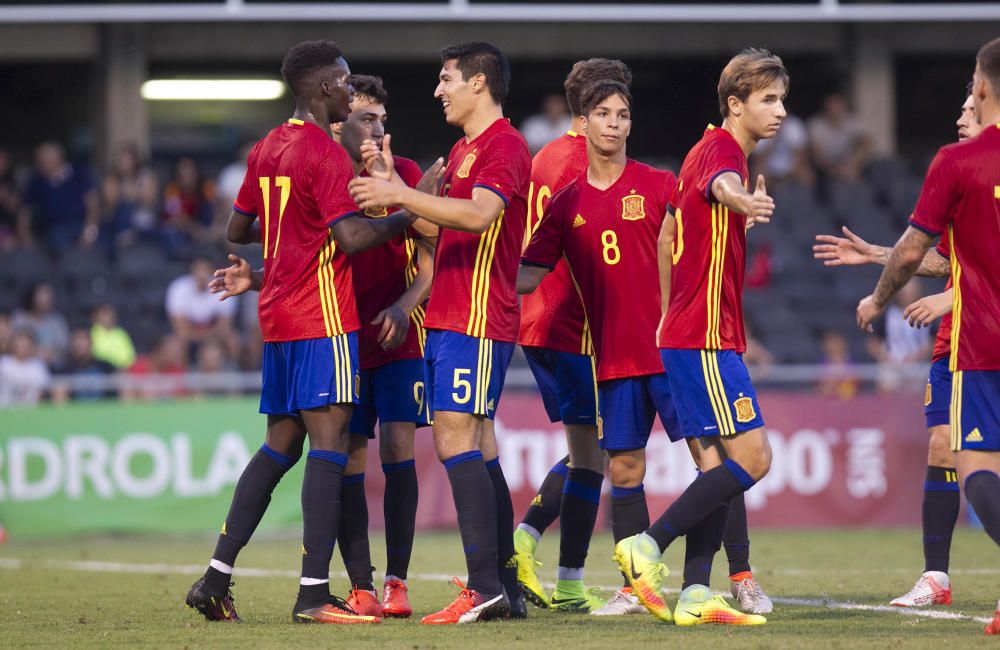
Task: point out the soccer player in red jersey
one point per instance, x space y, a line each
556 342
942 499
296 182
961 194
473 313
702 336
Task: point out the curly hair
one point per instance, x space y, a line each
587 72
370 87
304 59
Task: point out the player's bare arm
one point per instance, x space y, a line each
903 263
242 229
473 215
928 309
355 234
529 276
852 250
728 190
395 319
664 258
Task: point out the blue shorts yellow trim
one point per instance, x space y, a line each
712 392
309 374
937 395
975 410
567 383
464 373
393 392
628 407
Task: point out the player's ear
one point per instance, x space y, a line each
735 105
478 82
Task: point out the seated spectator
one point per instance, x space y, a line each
80 365
60 205
110 342
6 333
47 326
785 156
195 313
187 206
542 128
756 353
896 345
131 198
839 146
10 201
159 374
24 377
228 187
213 358
838 377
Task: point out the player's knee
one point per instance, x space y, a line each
626 470
395 449
759 462
939 453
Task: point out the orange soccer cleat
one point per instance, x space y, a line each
994 625
394 600
470 607
333 612
365 603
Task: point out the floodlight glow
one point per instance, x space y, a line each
212 89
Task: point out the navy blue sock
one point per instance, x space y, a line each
476 505
942 501
545 506
709 491
353 533
400 508
577 515
629 513
250 501
320 515
701 544
982 489
737 536
505 528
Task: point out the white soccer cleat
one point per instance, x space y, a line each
933 588
750 596
621 604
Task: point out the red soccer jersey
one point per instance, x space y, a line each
475 276
609 240
961 195
383 274
706 282
552 316
942 344
296 182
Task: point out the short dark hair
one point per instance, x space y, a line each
370 87
601 90
481 58
988 59
304 59
750 70
589 71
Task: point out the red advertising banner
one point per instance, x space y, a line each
856 462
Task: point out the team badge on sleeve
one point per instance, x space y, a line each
744 409
466 166
633 207
377 213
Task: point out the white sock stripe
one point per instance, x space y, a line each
531 531
313 581
220 567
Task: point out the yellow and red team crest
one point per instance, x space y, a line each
377 213
744 409
466 166
633 207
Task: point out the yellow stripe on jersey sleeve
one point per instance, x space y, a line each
956 302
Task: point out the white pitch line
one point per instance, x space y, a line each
249 572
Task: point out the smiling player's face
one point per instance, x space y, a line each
456 94
763 111
341 92
608 125
366 122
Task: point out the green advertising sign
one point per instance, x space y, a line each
163 467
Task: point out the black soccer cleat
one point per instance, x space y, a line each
518 606
212 607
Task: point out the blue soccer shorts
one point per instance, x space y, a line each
309 374
393 392
627 408
464 373
567 383
975 410
937 397
712 391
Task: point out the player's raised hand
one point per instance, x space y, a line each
395 324
430 182
372 192
868 311
928 309
761 206
378 161
232 280
841 251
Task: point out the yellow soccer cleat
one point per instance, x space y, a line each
527 578
639 559
697 606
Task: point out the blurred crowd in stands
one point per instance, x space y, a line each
107 273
